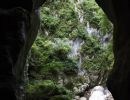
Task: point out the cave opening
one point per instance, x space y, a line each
59 53
73 51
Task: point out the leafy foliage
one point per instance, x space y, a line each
46 90
49 58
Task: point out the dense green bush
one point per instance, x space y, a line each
46 90
96 57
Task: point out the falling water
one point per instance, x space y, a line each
75 53
81 70
75 47
77 43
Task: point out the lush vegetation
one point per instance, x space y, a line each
47 90
52 71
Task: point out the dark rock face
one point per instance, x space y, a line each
19 22
26 4
13 29
119 80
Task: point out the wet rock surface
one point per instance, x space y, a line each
96 93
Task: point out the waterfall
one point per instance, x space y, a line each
75 47
77 43
81 71
75 53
